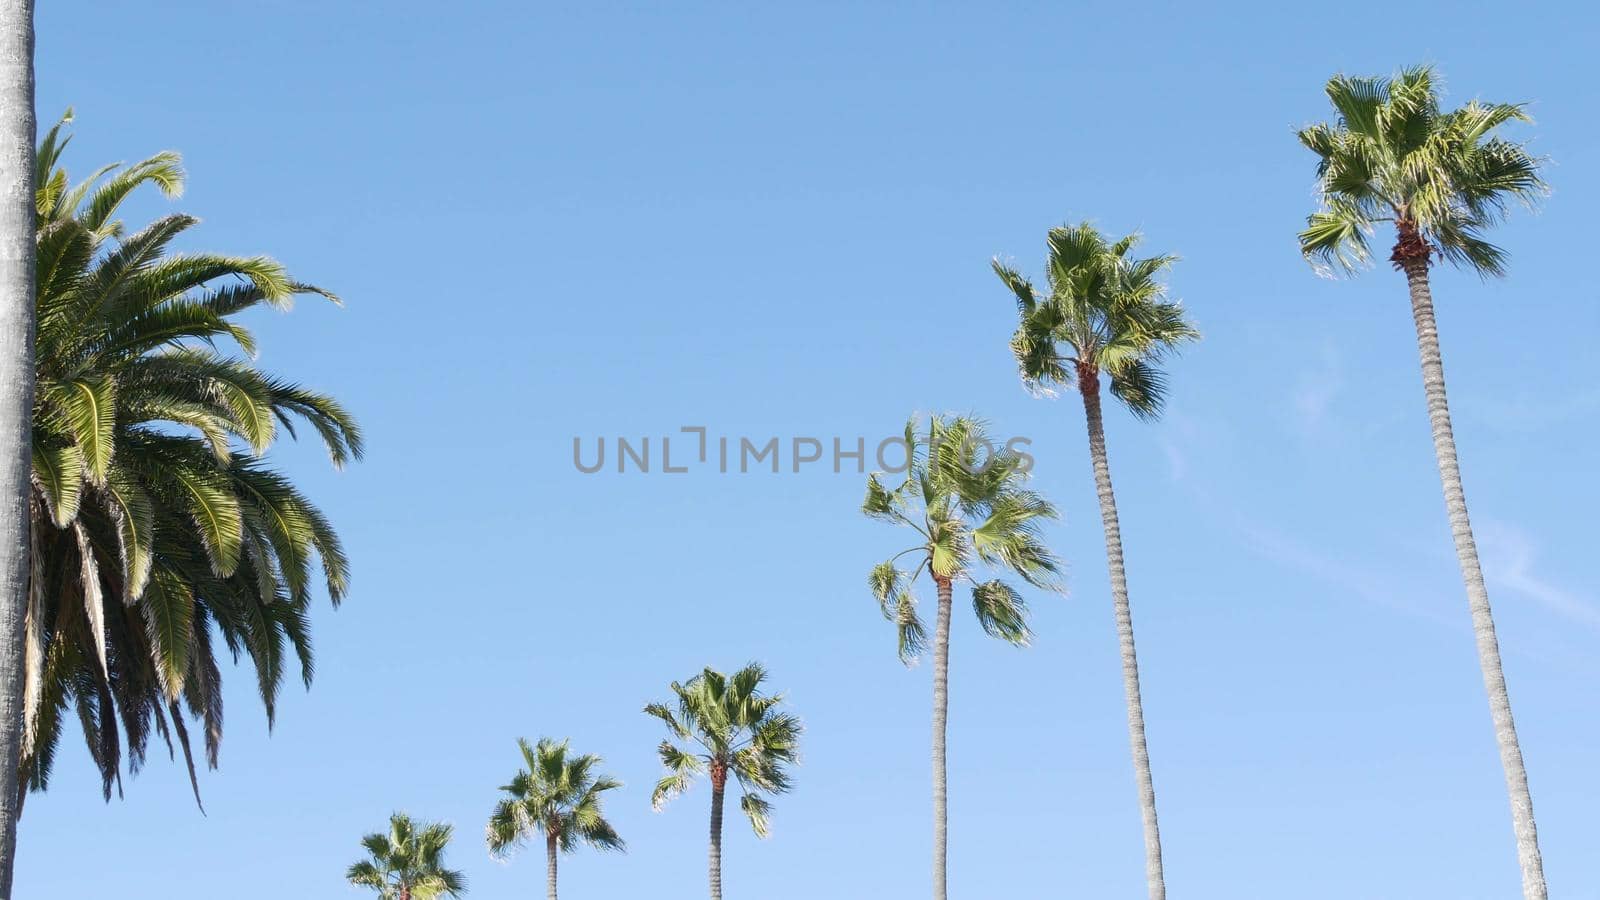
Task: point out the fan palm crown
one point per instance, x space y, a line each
1440 177
407 862
1105 311
724 725
968 504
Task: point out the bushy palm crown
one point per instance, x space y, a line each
155 520
558 796
734 729
408 861
1106 311
1394 156
967 502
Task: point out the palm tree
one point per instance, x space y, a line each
407 863
155 522
16 395
735 730
1106 315
557 796
1441 179
967 506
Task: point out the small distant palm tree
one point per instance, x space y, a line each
1106 314
968 507
407 863
1441 180
737 731
557 796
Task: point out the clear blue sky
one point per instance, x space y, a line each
560 221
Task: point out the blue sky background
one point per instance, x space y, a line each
589 220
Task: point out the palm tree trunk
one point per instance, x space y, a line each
1155 877
550 854
941 712
17 137
719 783
1455 501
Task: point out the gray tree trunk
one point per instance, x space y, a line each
1455 501
941 712
1155 877
17 137
714 863
551 852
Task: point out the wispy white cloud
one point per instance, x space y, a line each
1510 563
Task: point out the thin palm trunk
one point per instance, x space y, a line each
550 854
1155 877
719 783
17 137
1455 501
941 712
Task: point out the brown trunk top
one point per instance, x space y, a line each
1411 248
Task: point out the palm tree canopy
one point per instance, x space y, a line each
968 503
156 522
1106 311
558 795
725 723
1394 156
409 857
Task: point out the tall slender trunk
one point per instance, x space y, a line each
719 784
1455 501
550 854
941 713
1155 877
17 135
405 892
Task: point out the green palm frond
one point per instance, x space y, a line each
1002 612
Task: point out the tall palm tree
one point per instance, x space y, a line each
1106 315
155 522
17 133
407 862
968 507
727 727
558 796
1441 179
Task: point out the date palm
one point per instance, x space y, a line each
407 862
1441 179
969 508
156 525
724 725
1106 316
558 796
17 126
